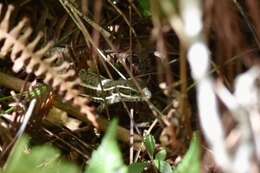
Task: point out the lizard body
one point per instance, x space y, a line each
104 90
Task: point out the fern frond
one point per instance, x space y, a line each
25 55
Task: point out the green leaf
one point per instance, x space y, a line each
145 7
163 166
107 158
36 160
149 143
161 155
137 167
191 160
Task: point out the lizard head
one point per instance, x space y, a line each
147 93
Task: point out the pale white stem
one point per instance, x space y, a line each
247 93
131 157
199 61
244 103
27 117
242 159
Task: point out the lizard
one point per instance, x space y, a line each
107 91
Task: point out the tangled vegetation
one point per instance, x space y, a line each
129 86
